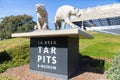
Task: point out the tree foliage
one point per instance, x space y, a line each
13 24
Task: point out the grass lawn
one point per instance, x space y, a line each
103 46
9 43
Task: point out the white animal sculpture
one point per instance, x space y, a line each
63 15
42 17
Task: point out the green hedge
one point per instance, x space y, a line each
113 72
15 56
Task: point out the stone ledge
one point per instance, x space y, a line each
50 33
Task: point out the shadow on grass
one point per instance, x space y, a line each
4 56
89 64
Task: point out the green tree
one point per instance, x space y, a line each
12 24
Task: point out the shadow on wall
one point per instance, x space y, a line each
4 56
88 64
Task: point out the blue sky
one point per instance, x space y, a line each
16 7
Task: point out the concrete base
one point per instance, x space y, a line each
57 76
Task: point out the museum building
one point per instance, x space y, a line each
100 17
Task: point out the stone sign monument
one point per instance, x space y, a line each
54 53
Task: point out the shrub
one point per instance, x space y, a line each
19 55
113 72
6 78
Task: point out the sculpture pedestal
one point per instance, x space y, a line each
55 53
